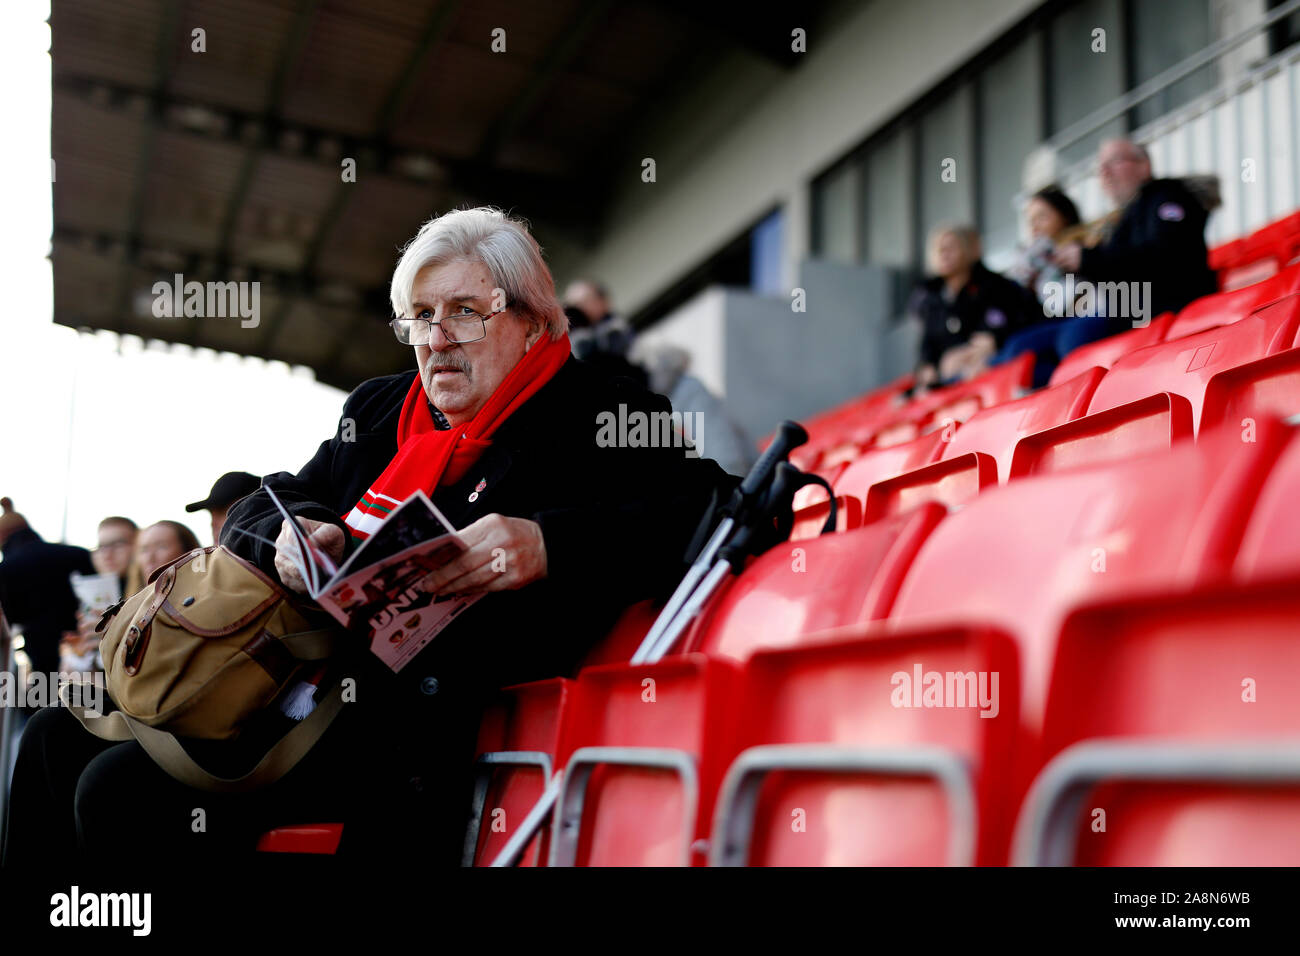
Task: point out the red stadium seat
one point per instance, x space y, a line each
639 781
1268 386
1271 544
996 430
951 482
956 403
877 464
1184 366
517 743
1177 715
1021 556
1105 352
625 636
1226 256
318 838
1149 424
808 586
1225 308
869 750
810 519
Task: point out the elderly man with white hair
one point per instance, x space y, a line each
498 424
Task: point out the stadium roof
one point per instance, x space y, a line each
226 164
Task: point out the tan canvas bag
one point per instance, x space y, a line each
209 643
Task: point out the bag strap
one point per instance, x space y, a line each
167 752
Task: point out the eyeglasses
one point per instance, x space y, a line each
464 326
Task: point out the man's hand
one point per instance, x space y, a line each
328 537
503 554
1068 256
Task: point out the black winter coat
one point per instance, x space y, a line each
36 593
987 303
616 522
1160 238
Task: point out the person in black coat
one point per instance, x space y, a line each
966 311
568 520
1159 238
35 590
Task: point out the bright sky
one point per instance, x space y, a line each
104 425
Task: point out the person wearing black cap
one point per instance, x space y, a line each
228 489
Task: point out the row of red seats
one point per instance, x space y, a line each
799 653
883 419
1257 256
769 709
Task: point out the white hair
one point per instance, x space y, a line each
501 243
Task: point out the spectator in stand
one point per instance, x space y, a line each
1052 219
34 588
1158 238
719 436
966 312
1050 216
605 331
162 543
601 338
116 548
498 423
228 489
113 555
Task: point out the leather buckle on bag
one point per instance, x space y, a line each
108 615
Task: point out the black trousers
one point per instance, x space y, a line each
77 797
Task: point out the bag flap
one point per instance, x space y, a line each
217 593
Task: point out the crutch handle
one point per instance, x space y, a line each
789 436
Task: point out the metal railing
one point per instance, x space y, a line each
1252 116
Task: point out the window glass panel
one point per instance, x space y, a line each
889 212
1010 119
947 162
765 254
835 214
1165 34
1081 80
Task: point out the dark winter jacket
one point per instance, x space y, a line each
1160 238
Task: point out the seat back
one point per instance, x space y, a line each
1171 710
1149 424
1021 556
869 749
1184 366
1271 543
811 519
639 778
877 464
800 588
518 741
1106 352
1267 386
951 483
995 431
1225 308
625 636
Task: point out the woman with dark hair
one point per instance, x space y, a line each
1049 214
1052 220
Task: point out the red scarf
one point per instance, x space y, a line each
428 457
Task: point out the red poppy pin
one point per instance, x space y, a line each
482 483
